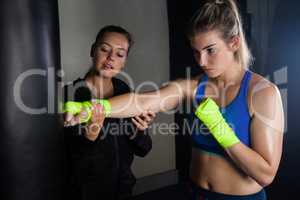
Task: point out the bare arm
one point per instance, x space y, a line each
164 99
261 161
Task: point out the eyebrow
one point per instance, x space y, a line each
120 48
208 46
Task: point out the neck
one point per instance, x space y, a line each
101 87
102 81
230 76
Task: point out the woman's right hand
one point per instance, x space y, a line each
94 126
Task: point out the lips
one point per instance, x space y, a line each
107 66
207 69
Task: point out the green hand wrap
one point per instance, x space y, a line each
72 107
208 112
76 107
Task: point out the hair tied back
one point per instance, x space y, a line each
219 2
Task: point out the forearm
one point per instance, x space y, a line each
127 105
133 104
252 163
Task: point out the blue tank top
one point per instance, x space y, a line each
236 114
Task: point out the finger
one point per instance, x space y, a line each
95 116
94 128
146 117
140 120
74 121
137 124
68 116
83 115
98 120
96 107
97 111
140 124
98 117
67 124
151 113
69 119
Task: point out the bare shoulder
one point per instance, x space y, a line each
260 85
262 93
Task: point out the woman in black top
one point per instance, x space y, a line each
100 154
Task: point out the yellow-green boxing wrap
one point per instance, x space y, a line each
74 108
208 112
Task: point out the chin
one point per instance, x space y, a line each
105 74
213 73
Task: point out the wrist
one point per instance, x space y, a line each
208 112
72 107
224 135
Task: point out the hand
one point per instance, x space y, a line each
143 121
71 119
96 123
76 112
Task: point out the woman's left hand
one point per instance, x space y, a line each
143 121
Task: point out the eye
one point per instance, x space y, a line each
104 49
121 55
211 51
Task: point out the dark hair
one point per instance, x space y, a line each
223 16
111 29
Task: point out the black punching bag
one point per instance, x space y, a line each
31 139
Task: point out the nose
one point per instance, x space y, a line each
202 61
111 56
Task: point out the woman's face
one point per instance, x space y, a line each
212 53
110 54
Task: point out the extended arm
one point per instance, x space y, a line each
164 99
